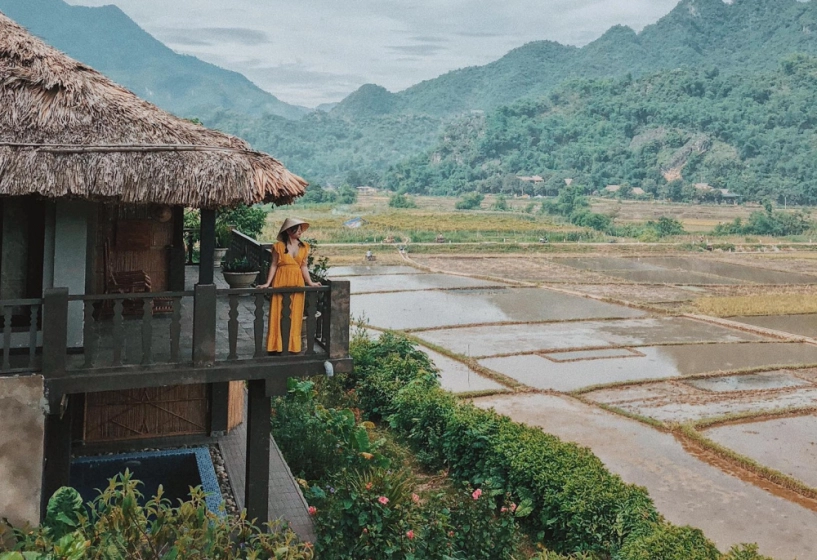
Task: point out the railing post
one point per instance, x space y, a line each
339 318
204 324
207 246
55 331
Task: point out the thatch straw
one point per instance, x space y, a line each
68 131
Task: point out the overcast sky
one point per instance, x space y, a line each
309 52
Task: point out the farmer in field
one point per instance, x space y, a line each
288 269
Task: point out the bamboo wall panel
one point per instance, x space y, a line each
235 405
146 413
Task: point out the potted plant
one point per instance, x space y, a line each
223 234
239 273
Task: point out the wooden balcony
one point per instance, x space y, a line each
206 334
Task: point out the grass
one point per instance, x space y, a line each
771 304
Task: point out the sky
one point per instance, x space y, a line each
308 52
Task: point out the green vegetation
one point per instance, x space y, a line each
470 201
121 524
752 134
400 200
366 504
768 222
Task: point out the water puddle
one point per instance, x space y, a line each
788 445
507 339
458 378
656 363
561 357
448 308
407 282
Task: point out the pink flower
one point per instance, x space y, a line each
415 498
368 486
513 507
503 509
365 531
313 510
383 500
477 493
410 534
450 533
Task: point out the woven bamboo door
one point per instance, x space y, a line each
146 413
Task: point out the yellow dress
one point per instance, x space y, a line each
288 274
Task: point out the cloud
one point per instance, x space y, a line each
210 36
418 50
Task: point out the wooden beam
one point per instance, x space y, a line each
256 489
273 370
207 245
177 251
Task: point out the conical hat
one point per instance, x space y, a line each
291 222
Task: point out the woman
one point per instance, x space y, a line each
288 269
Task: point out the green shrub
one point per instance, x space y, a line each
565 495
116 526
318 441
744 552
669 542
400 200
249 220
470 201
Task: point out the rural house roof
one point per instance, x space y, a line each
68 131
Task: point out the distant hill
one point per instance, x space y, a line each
734 37
106 39
753 133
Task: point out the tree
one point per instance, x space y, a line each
401 200
469 201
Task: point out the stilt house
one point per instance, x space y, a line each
103 337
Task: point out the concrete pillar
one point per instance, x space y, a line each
22 429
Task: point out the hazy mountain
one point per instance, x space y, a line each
747 34
106 39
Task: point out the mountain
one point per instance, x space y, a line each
754 133
106 39
733 37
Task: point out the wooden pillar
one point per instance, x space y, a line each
55 331
204 348
339 317
177 251
207 245
57 452
219 408
256 490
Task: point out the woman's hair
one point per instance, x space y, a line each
285 235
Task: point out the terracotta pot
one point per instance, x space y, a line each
240 279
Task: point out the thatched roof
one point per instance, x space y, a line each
68 131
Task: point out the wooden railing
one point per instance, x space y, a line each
242 245
201 328
20 342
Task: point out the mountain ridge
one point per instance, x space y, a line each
106 39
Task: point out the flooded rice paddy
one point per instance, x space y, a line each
508 339
803 325
413 282
423 310
788 445
571 355
544 371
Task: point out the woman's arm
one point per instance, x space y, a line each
307 278
272 268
